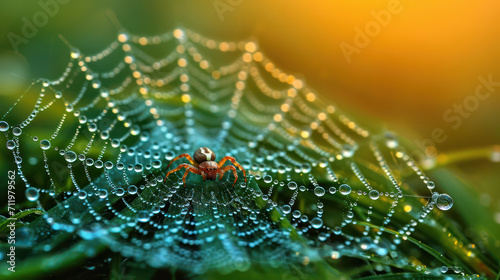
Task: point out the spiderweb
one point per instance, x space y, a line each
319 184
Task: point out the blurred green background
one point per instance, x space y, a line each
421 64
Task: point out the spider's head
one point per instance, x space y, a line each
204 154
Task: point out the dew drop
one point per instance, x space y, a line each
45 144
332 190
444 202
11 145
138 167
347 150
82 194
120 192
374 194
319 191
316 222
132 189
391 140
345 189
286 209
143 216
70 156
268 179
102 193
32 194
4 126
17 131
75 53
350 214
292 185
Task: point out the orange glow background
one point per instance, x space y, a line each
426 59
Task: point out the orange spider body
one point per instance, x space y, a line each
204 165
210 168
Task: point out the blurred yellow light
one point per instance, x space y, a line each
216 75
310 97
128 59
204 64
258 56
182 62
184 78
186 98
277 118
224 46
247 57
322 116
178 33
304 134
407 208
180 49
122 38
250 47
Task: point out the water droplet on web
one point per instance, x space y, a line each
350 214
374 194
75 53
98 163
347 150
92 127
120 192
143 216
82 194
32 194
70 156
345 189
430 185
296 214
45 144
292 185
319 191
17 131
268 179
138 167
135 130
4 126
286 209
332 190
11 145
316 222
132 189
391 140
102 193
444 202
115 143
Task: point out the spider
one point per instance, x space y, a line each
204 164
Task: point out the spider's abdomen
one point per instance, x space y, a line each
203 154
210 168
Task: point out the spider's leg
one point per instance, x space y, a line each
184 165
187 156
227 168
233 161
192 170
